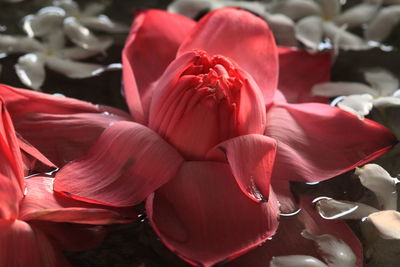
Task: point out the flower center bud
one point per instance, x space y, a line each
200 107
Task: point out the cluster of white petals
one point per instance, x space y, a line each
45 43
317 24
358 98
384 217
333 251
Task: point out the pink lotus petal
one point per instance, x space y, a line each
152 44
317 141
126 164
22 245
251 158
242 37
42 203
204 217
299 71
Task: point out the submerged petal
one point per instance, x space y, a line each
305 131
119 169
226 223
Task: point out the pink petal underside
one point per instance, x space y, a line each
205 218
10 196
251 158
243 37
299 70
317 142
42 203
61 137
64 119
22 245
126 164
34 161
72 236
288 240
152 44
11 164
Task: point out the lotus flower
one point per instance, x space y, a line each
210 134
29 209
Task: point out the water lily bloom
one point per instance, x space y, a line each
213 143
30 210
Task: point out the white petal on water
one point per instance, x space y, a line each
335 209
190 8
295 9
383 23
330 8
309 31
93 9
30 70
76 53
47 20
335 252
386 101
103 23
357 15
359 105
283 29
379 181
296 260
387 223
73 69
343 38
382 80
70 6
82 36
333 89
55 41
18 44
